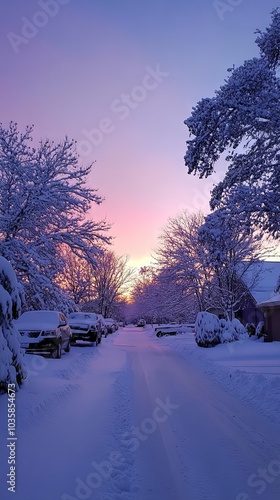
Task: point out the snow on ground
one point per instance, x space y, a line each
248 368
143 418
69 413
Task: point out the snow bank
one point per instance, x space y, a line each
248 368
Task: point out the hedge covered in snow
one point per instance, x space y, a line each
207 329
12 369
210 330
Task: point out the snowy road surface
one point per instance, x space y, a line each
132 420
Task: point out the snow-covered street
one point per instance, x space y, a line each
132 419
140 250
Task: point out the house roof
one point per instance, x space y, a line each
261 279
273 301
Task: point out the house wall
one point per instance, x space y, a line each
249 315
248 312
272 323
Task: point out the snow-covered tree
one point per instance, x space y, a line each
45 202
206 259
12 369
76 279
183 258
111 279
147 300
157 298
242 123
144 298
100 286
177 301
230 251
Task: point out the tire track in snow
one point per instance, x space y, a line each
260 392
79 367
45 409
123 481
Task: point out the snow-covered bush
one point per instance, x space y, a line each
12 369
251 329
210 330
227 332
207 329
260 331
240 332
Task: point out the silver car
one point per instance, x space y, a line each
44 332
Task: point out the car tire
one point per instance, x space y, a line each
57 353
67 349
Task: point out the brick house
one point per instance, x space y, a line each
271 311
262 280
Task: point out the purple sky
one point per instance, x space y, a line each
120 78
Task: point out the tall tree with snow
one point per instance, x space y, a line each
183 258
157 298
242 123
111 278
12 369
101 285
76 278
45 202
231 250
145 298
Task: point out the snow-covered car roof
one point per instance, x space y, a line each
38 319
83 316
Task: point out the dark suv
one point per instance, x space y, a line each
141 322
85 326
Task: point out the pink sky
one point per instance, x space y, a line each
91 68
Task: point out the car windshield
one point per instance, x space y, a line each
90 316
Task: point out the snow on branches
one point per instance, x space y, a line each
231 249
269 41
12 370
45 200
242 121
